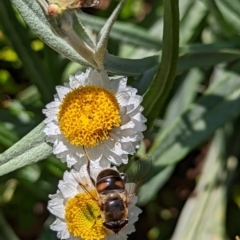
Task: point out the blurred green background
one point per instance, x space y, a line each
193 189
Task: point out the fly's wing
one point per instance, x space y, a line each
89 3
86 185
135 176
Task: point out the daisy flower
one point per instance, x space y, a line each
100 115
78 214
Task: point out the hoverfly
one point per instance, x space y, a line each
114 195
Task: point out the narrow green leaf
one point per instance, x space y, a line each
35 18
46 232
218 15
165 76
184 95
226 13
33 155
218 105
143 82
81 30
7 136
123 32
30 149
31 62
103 36
197 12
199 55
146 193
209 203
63 26
206 55
129 67
6 229
34 138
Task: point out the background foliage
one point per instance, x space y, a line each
193 190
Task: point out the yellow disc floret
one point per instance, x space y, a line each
83 218
87 115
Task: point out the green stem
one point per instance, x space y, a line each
163 81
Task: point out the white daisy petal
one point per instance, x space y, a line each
65 125
56 205
121 84
74 82
52 105
71 160
129 124
59 147
61 228
95 155
106 83
132 138
52 129
124 120
122 98
125 158
94 78
113 236
115 161
139 117
128 148
62 91
129 134
71 203
105 162
67 189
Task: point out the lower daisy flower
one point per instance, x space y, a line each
77 208
100 115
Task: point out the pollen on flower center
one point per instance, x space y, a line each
83 218
87 115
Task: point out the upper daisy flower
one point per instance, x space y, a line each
93 112
76 206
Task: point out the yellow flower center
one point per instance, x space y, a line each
83 217
87 115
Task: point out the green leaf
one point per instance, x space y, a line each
81 30
146 193
123 32
219 104
197 12
46 232
30 149
8 232
206 55
209 201
102 38
63 26
35 18
227 14
31 62
129 67
7 136
143 82
162 83
184 95
198 55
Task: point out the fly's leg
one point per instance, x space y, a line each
88 166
